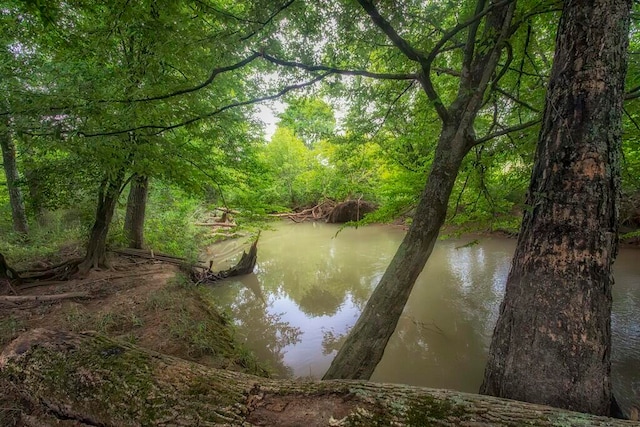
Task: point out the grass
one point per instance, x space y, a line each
9 329
58 230
179 316
78 319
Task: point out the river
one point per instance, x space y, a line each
313 279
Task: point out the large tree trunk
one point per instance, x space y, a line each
552 342
365 344
93 380
18 213
136 207
96 256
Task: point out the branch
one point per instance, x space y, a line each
632 94
160 129
411 53
428 61
470 45
386 115
516 100
269 19
404 46
207 174
332 70
214 73
506 131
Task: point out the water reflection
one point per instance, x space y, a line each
311 285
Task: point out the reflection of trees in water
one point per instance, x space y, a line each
332 341
440 339
320 302
265 333
321 281
479 275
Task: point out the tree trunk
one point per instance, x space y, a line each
136 207
92 380
20 224
552 342
96 256
365 344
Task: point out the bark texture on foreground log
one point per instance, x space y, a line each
98 381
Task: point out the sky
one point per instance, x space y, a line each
267 114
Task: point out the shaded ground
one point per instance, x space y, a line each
145 302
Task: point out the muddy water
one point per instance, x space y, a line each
310 285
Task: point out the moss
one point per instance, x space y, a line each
78 373
429 409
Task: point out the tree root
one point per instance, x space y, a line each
62 272
319 212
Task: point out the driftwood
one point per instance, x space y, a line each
246 265
332 212
216 224
319 212
88 379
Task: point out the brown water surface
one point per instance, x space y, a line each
310 285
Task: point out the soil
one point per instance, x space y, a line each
146 302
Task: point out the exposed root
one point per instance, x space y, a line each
319 212
62 272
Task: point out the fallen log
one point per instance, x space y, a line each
94 380
215 224
51 297
157 256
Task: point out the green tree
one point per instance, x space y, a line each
288 158
311 119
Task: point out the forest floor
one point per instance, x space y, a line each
145 302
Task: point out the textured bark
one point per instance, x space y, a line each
365 344
552 342
136 207
93 380
18 213
96 256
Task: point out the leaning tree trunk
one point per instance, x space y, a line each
92 380
136 207
552 342
96 256
365 344
18 213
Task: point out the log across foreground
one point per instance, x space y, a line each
98 381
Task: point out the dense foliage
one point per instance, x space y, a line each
92 95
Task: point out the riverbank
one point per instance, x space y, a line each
142 302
